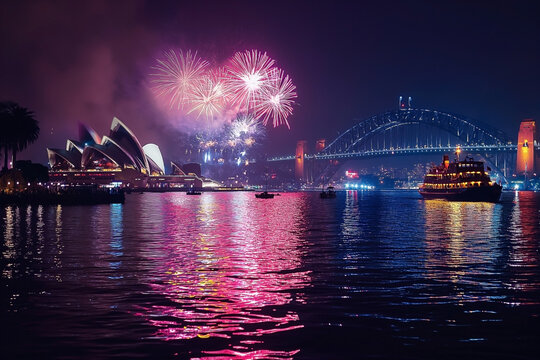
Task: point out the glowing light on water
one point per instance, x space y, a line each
213 289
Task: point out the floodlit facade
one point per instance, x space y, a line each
155 160
120 150
118 158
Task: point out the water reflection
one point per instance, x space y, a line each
228 264
8 252
116 247
227 275
523 259
461 243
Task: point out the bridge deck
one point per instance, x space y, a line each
407 151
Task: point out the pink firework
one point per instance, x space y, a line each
248 74
177 76
210 95
277 99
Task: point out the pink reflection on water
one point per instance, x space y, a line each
259 354
226 263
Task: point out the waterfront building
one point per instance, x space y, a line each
118 159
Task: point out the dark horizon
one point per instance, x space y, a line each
88 62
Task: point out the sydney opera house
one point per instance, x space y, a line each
121 160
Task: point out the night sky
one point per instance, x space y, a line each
87 61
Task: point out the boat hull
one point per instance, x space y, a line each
483 193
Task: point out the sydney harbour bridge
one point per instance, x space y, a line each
410 131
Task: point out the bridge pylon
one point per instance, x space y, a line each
525 164
299 162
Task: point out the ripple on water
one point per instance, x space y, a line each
225 275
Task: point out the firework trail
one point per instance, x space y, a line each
178 75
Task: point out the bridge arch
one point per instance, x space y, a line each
467 131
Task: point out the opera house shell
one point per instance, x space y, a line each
118 157
120 150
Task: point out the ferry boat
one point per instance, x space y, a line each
460 180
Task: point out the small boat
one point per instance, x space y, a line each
329 193
460 181
264 195
192 191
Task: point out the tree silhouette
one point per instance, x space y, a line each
18 127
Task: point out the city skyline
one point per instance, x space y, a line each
87 62
270 179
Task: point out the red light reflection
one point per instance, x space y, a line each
230 261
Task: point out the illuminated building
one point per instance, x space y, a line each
120 150
525 149
352 174
118 159
155 160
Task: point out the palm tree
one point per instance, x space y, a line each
19 129
7 127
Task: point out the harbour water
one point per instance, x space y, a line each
380 275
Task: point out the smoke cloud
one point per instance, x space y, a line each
86 62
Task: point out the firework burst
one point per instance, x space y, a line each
277 99
249 88
245 125
208 97
178 75
248 76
